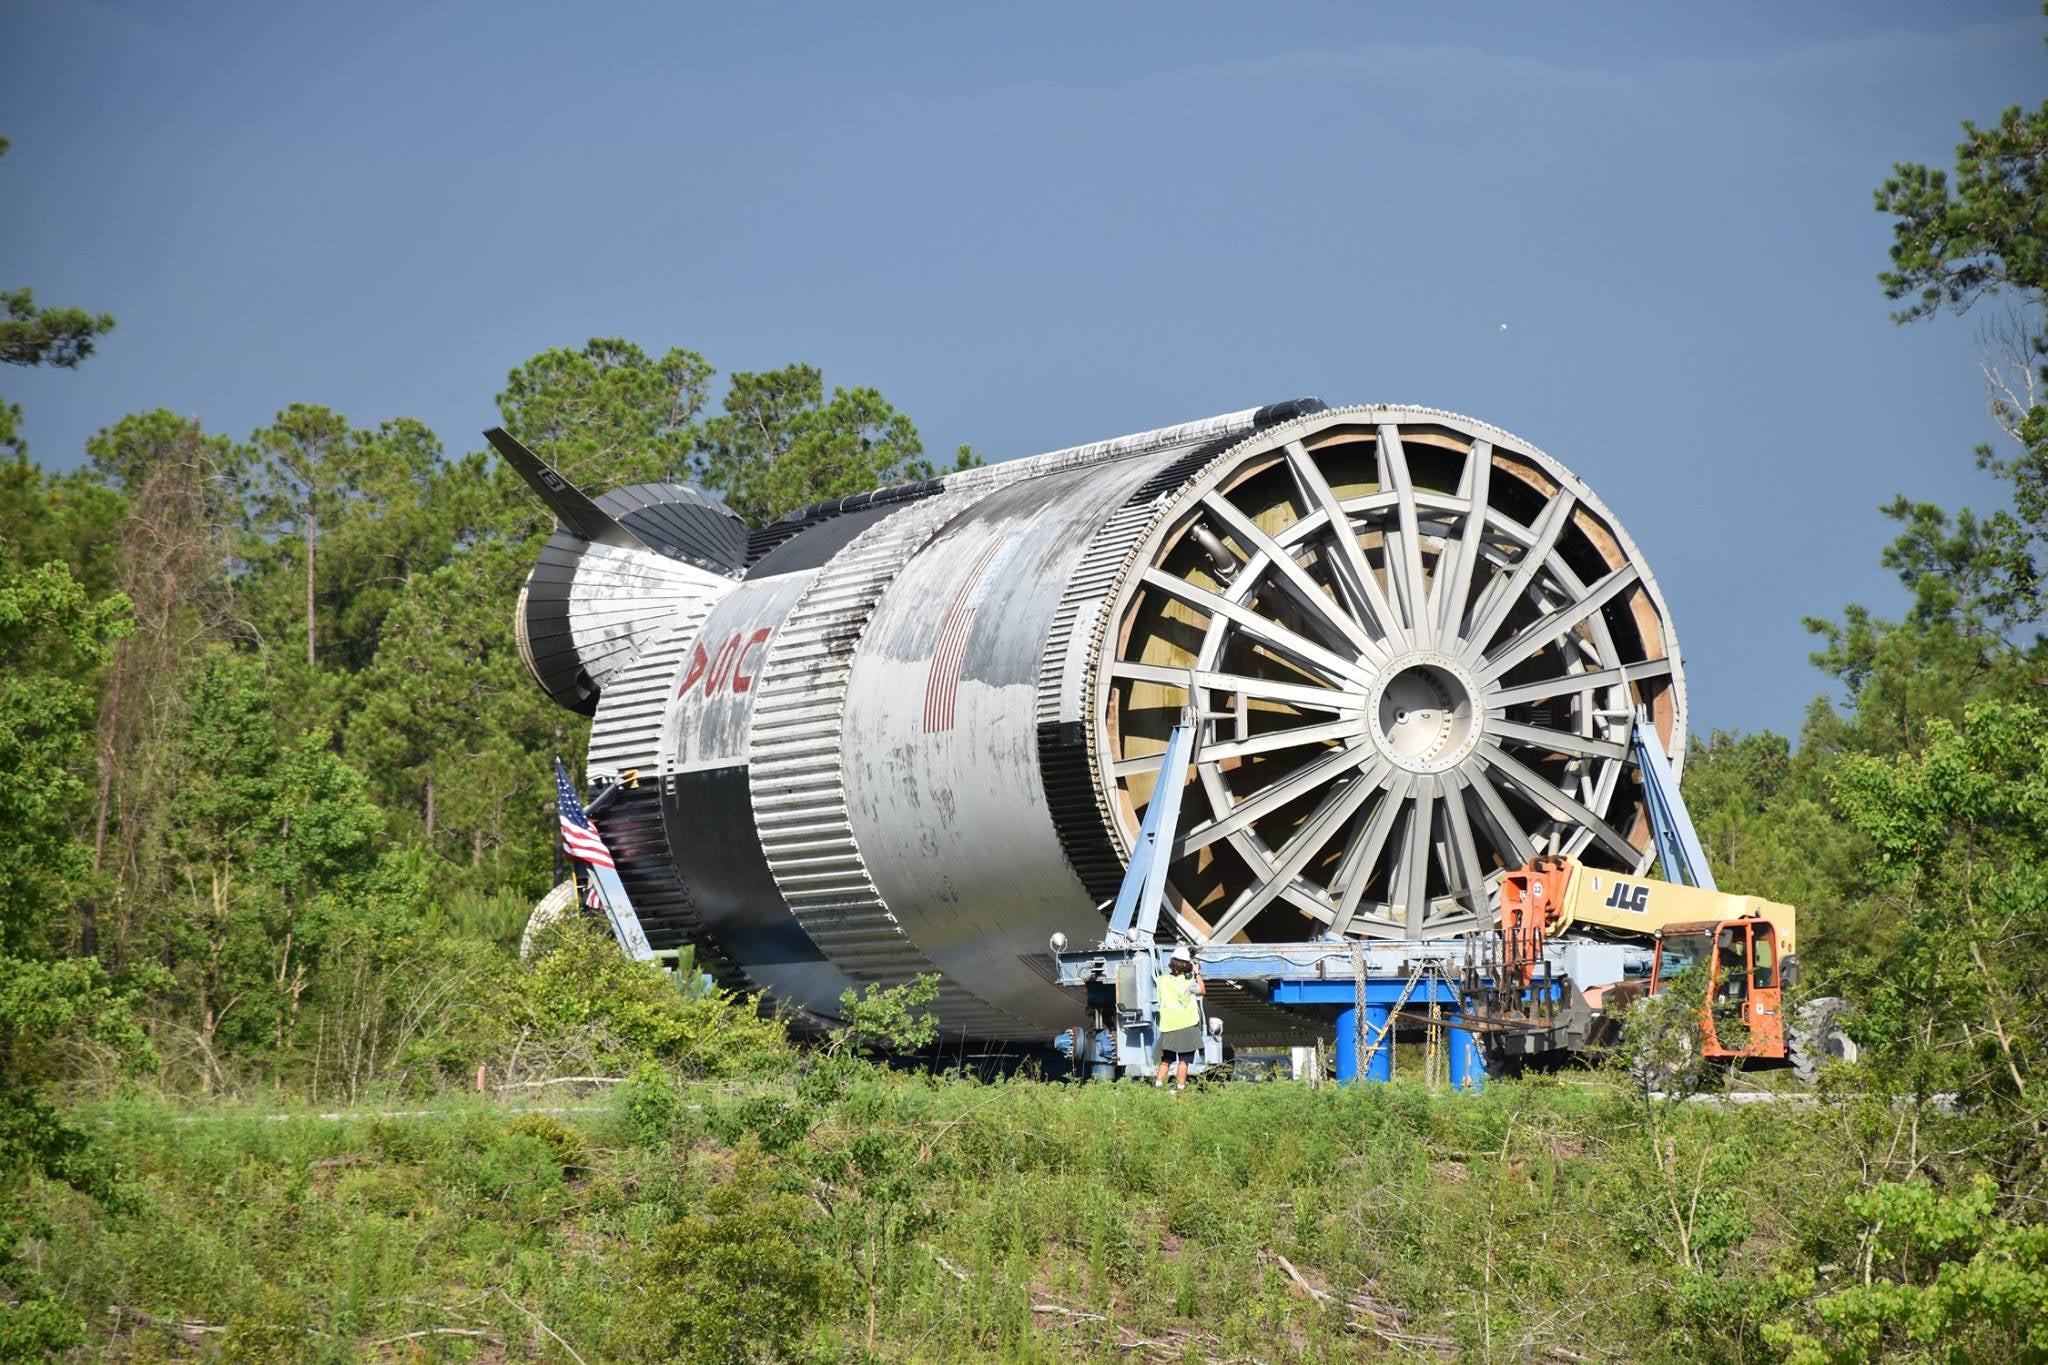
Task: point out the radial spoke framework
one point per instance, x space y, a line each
1411 650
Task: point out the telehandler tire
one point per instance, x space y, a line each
1665 1059
550 909
1817 1038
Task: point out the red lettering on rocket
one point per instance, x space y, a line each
728 665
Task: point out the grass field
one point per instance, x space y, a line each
849 1213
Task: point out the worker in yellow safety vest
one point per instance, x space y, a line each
1180 1018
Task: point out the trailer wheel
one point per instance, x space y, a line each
1817 1038
555 906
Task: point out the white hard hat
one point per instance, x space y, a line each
1181 954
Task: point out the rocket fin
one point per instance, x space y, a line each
569 504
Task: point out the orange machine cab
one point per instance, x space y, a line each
1742 1015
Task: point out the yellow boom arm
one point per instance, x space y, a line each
1560 893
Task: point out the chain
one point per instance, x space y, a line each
1358 1024
1434 1060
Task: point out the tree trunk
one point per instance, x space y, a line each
209 1022
109 718
312 548
430 809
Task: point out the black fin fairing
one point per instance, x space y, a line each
571 507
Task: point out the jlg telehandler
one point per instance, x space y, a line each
1579 944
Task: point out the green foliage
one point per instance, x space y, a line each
1975 579
1945 1279
71 519
925 1218
1959 827
29 335
652 1106
1766 821
780 444
742 1279
129 454
338 520
608 414
630 1013
47 336
1958 239
44 1004
315 792
449 723
894 1018
50 633
270 859
1661 1037
567 1145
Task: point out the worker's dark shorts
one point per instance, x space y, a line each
1183 1040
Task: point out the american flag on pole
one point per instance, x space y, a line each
597 873
579 836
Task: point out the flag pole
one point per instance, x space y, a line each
588 853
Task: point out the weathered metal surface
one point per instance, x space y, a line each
916 737
589 609
796 774
941 746
707 805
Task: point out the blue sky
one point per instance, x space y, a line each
1032 226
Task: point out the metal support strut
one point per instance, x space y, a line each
1383 980
611 892
1123 997
1135 922
1678 843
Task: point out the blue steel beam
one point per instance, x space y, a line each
1678 843
1468 1063
1137 900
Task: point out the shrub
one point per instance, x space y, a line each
652 1106
892 1018
744 1278
1946 1278
582 993
564 1143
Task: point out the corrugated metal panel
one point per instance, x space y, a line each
1071 790
587 609
987 478
627 731
633 829
798 785
682 523
626 734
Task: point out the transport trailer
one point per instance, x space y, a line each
1572 949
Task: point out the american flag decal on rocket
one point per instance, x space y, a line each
942 679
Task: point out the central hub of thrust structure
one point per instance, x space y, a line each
917 730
